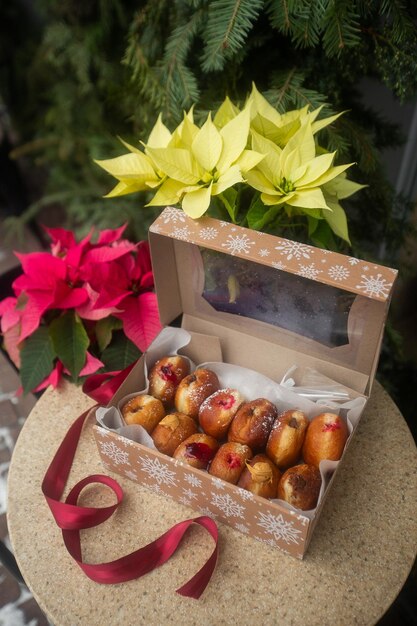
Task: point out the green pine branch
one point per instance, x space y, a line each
180 84
228 25
288 92
401 24
299 19
340 27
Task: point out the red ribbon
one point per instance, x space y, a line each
72 518
102 387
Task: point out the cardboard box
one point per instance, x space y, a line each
264 303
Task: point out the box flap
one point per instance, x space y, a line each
324 305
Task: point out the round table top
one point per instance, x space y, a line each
361 553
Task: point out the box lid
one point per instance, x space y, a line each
314 304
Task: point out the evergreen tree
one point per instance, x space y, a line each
95 70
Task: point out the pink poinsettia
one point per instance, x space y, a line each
139 310
46 285
79 284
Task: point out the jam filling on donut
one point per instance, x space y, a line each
227 402
332 426
200 451
167 373
233 460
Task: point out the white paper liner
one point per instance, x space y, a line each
316 386
252 385
169 342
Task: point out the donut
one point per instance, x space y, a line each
197 450
172 430
194 389
218 410
260 476
325 439
166 375
229 462
300 486
287 438
252 424
144 410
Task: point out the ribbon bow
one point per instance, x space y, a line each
72 518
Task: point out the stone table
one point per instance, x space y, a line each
360 556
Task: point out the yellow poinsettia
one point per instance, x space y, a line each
226 112
338 189
202 162
257 149
135 171
294 175
280 127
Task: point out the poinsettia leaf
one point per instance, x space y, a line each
140 319
313 222
110 236
106 254
60 235
91 365
70 342
323 236
337 220
259 215
104 330
120 353
36 359
228 200
53 379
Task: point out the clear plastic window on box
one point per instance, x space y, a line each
295 303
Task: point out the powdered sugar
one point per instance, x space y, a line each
236 395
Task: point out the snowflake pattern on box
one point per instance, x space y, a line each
308 271
227 505
154 489
208 233
263 252
131 475
297 257
338 272
205 511
294 249
236 244
185 501
374 285
242 528
276 525
245 494
157 470
171 214
155 228
269 542
118 456
181 233
279 265
192 480
189 493
218 482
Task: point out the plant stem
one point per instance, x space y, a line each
231 210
